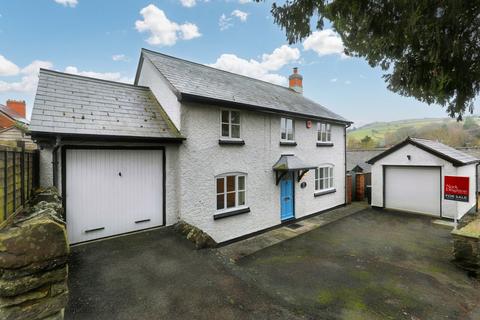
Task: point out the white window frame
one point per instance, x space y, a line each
229 123
236 190
328 178
285 129
324 132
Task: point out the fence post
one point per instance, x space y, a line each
14 160
22 174
5 184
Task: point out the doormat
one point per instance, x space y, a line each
294 226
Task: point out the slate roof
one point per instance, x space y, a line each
360 158
77 105
456 157
193 81
13 115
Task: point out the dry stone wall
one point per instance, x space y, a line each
466 245
33 261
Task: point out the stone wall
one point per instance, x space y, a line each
33 261
466 247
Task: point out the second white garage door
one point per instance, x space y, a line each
110 192
415 189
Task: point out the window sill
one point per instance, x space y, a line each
234 142
231 213
324 144
288 143
324 192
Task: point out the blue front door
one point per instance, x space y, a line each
286 198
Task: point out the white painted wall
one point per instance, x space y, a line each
150 77
419 157
46 167
201 158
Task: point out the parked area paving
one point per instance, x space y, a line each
369 265
237 250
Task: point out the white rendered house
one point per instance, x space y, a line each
226 153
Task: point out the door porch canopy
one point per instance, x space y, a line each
290 163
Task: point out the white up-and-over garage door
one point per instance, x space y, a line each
110 192
415 189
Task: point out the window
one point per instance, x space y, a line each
230 124
231 191
323 178
287 130
324 132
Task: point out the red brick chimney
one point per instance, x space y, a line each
295 81
18 107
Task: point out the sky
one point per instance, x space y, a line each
103 38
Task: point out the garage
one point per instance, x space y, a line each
423 197
425 177
112 191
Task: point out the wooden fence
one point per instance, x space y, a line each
19 170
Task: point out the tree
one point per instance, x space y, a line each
428 49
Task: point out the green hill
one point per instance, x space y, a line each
386 133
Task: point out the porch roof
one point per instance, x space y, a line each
289 162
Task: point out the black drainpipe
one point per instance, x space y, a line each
476 187
345 149
55 161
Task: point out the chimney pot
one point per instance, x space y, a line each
17 106
295 81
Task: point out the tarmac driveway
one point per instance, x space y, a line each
371 265
159 275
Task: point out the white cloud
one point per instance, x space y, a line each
29 80
189 31
324 42
7 67
112 76
67 3
119 57
347 82
188 3
244 1
334 80
262 69
225 22
162 30
240 15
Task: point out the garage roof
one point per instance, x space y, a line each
67 104
456 157
197 82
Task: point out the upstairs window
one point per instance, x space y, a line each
231 191
323 178
287 129
324 132
230 123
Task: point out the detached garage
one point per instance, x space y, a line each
425 177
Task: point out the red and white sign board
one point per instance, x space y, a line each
456 188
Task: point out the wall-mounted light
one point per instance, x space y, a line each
409 157
309 124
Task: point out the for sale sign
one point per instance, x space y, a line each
456 188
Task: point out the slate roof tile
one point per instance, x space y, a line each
72 104
194 79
